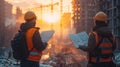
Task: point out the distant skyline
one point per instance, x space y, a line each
34 3
27 3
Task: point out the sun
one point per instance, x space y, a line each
51 17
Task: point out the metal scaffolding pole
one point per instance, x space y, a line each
51 13
61 26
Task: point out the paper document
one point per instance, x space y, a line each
46 35
43 65
80 39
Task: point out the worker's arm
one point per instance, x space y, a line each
38 44
91 43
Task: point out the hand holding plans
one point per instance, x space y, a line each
80 39
46 35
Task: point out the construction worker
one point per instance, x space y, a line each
101 43
34 42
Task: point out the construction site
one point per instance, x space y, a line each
65 17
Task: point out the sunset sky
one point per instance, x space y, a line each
26 5
46 16
35 3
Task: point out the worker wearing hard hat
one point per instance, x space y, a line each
101 43
33 39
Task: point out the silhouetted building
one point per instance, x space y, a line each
8 10
83 13
103 5
2 20
114 18
5 14
76 14
18 13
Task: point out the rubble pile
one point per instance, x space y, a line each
68 57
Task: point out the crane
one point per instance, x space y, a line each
43 6
61 25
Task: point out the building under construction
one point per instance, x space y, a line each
5 12
112 9
114 18
83 13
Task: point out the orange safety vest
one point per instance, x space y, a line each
34 54
106 49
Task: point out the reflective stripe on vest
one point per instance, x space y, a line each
34 54
109 59
106 49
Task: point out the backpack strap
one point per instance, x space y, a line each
96 36
24 32
98 42
29 35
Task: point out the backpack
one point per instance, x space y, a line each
102 49
19 46
103 41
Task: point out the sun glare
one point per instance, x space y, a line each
51 18
44 12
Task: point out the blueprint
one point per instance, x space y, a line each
46 35
79 39
43 65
